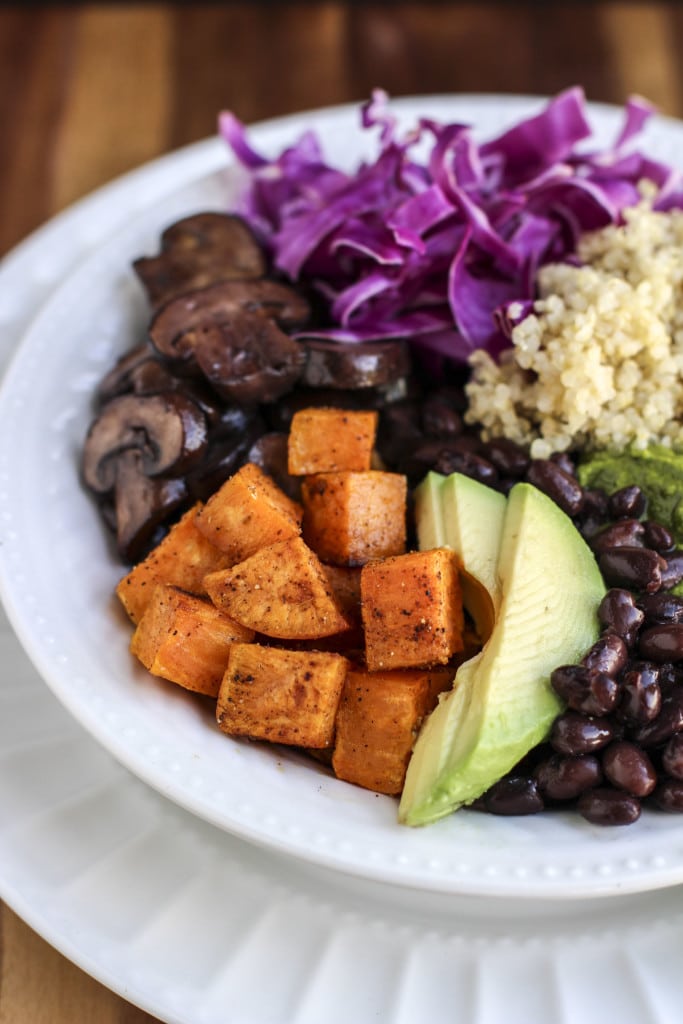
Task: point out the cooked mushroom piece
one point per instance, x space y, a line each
248 359
367 364
141 505
121 378
174 327
270 453
225 455
168 431
198 251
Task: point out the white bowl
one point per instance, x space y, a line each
57 575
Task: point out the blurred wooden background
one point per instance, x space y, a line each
88 91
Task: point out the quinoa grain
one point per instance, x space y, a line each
598 364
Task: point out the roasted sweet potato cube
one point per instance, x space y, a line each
182 558
282 696
248 512
412 610
185 639
378 720
350 518
326 440
281 591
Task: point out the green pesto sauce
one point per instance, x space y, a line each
656 470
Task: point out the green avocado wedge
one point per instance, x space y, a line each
501 704
460 513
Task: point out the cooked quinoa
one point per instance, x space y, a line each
599 363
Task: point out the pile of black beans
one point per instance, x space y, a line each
618 745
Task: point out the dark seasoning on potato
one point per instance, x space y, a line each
258 478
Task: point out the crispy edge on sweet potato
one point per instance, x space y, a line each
350 518
412 610
281 696
182 558
248 512
281 591
185 639
325 440
379 717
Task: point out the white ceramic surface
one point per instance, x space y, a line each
198 927
57 574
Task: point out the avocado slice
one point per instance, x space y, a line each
465 515
502 704
428 507
473 517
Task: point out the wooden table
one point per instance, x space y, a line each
90 91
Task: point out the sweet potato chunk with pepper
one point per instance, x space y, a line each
350 518
185 639
328 440
248 512
379 716
412 610
281 591
182 558
281 696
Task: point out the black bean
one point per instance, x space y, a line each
632 567
662 643
506 485
624 533
608 654
668 796
584 689
672 574
590 525
469 463
605 806
672 756
564 490
595 502
513 795
574 733
662 728
641 699
565 463
656 536
629 502
670 677
628 767
565 777
618 613
439 418
661 608
509 458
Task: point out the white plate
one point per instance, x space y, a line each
57 579
186 921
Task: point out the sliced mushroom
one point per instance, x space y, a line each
248 359
174 328
198 251
121 377
168 431
142 504
224 456
368 364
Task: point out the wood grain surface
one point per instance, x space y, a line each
89 91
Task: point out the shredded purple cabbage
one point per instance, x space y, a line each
437 252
